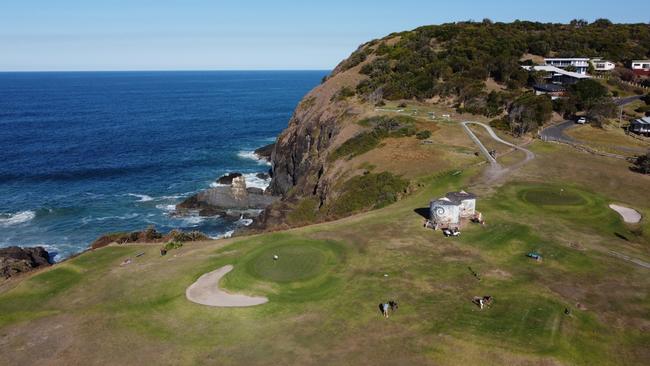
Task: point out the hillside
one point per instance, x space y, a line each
468 70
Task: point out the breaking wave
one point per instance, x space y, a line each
16 218
142 197
250 155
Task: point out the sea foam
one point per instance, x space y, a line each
16 218
250 155
142 197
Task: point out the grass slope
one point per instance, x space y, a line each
325 287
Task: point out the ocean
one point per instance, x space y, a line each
87 153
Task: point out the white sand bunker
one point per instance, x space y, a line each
629 215
206 291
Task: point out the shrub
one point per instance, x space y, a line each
173 245
642 164
369 191
382 127
343 94
423 135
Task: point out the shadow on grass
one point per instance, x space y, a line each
423 211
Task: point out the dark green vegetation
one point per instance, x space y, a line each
368 191
455 60
382 127
642 164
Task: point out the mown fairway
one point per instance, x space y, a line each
329 278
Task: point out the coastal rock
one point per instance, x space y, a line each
263 176
227 179
16 260
321 122
228 200
265 152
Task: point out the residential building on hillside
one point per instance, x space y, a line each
555 75
602 65
580 64
640 126
641 67
555 91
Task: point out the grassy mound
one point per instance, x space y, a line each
295 263
552 196
305 269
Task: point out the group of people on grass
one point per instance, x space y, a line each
388 307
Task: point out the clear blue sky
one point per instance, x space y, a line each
253 34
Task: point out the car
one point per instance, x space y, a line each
581 120
451 232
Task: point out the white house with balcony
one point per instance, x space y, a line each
602 65
580 64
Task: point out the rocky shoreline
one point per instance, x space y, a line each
15 260
231 197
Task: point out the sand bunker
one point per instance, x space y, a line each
629 215
206 291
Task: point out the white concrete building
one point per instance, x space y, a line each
557 75
449 211
581 64
602 65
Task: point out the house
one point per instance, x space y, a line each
641 67
580 64
555 91
452 210
640 126
555 75
602 65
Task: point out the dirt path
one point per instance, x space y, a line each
496 170
629 215
206 291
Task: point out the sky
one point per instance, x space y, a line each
83 35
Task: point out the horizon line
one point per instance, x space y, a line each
158 70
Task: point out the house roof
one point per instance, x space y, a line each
642 121
460 196
557 70
549 88
566 58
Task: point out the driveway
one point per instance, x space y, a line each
496 170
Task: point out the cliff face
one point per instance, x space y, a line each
320 122
15 260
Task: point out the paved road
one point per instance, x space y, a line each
496 170
556 132
627 100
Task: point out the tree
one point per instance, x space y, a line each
642 164
586 92
529 112
601 110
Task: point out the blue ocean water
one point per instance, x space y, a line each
83 154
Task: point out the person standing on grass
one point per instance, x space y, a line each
384 309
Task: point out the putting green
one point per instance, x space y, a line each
552 196
306 269
295 263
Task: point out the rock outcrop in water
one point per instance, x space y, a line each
234 200
16 260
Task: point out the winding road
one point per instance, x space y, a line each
496 170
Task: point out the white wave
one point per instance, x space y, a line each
253 181
226 235
142 197
250 155
215 185
166 208
244 222
89 219
16 218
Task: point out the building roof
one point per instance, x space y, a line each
642 61
557 70
567 58
549 88
642 121
454 198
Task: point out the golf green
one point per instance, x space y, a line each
294 263
552 196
